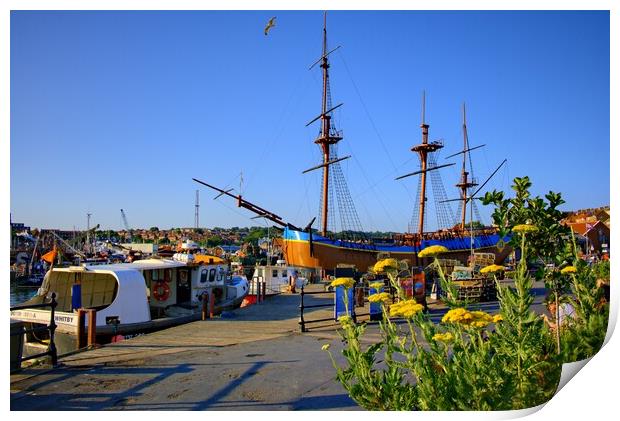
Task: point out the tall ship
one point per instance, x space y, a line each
324 249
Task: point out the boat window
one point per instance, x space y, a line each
155 275
284 274
203 276
211 275
220 275
275 273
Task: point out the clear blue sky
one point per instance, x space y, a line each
115 110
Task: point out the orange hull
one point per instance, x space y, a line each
326 257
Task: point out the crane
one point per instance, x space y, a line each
126 224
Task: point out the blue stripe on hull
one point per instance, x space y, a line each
464 243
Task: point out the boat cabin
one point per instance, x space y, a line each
135 292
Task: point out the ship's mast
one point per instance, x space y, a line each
423 150
325 139
465 183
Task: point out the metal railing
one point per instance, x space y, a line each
302 321
356 303
51 348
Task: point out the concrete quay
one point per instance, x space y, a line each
255 360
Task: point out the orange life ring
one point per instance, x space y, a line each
161 291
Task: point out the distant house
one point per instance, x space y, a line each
596 233
230 248
589 215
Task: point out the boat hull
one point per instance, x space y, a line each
327 254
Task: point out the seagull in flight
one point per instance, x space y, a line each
270 24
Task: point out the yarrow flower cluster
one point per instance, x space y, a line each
385 264
432 251
376 285
406 309
346 319
569 269
379 297
492 269
468 318
343 282
443 337
525 228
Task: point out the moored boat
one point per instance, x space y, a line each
133 298
275 279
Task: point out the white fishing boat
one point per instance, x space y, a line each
134 298
275 279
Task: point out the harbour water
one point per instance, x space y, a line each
19 293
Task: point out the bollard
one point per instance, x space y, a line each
204 298
257 290
359 296
264 289
51 349
211 304
81 334
92 327
302 322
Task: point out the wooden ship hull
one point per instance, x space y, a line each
324 253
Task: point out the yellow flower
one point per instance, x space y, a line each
432 251
385 264
406 309
467 318
343 282
497 318
443 337
376 285
325 347
481 315
454 315
492 268
524 228
569 269
379 297
346 319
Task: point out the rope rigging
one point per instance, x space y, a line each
443 210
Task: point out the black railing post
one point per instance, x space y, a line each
302 322
52 327
354 303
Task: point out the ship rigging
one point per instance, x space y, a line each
304 248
